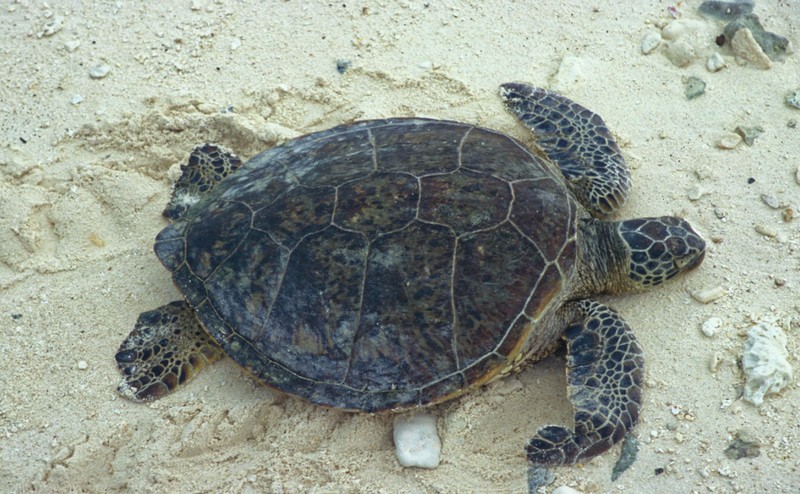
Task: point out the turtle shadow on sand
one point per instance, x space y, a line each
391 264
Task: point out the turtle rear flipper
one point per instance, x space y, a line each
166 348
207 166
605 370
578 141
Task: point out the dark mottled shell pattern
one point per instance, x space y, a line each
381 264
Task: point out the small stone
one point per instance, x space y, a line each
630 450
744 445
76 99
793 99
99 71
650 42
416 441
749 134
708 295
343 65
770 201
711 326
694 87
714 362
83 365
797 175
695 193
539 476
729 141
52 27
564 489
680 53
766 231
764 362
72 45
236 43
715 62
725 11
746 47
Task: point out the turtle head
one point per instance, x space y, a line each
658 249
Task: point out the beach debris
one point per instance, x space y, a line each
539 476
52 26
630 448
694 87
715 62
726 11
714 362
746 47
72 45
793 99
729 141
743 445
99 71
565 489
680 53
772 45
708 295
695 193
767 231
764 362
416 440
711 326
343 65
749 134
650 42
770 201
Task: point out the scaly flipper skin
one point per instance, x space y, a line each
578 141
166 348
605 369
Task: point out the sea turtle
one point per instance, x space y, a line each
390 264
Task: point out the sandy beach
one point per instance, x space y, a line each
102 102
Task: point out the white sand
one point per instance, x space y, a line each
80 203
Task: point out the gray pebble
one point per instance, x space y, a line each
52 27
76 99
650 42
770 201
744 445
694 87
725 11
539 476
630 449
793 99
99 71
749 134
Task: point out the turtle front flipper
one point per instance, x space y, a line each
578 141
605 370
166 348
207 166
